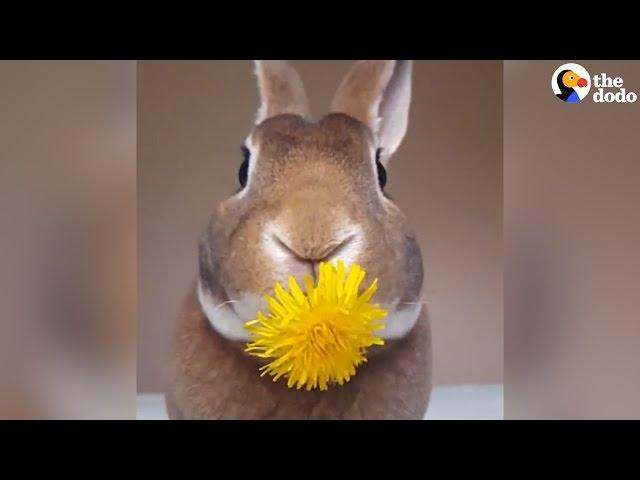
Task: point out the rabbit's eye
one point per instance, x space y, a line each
244 167
382 172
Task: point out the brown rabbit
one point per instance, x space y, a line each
310 192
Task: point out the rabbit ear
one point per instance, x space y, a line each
378 93
281 90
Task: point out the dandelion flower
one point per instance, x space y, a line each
318 337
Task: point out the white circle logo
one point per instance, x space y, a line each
571 82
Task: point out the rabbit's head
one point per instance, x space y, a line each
312 192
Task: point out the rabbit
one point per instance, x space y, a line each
309 192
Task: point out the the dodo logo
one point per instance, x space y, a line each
571 82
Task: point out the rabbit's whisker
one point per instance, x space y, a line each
225 303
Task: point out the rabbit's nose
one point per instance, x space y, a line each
346 250
318 252
299 250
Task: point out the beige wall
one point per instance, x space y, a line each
447 176
572 232
67 237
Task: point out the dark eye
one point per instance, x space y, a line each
244 167
382 172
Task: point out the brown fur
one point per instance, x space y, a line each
214 379
302 164
314 182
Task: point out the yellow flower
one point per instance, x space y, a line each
319 337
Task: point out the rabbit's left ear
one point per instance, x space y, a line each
378 93
281 90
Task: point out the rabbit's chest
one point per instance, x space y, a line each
215 379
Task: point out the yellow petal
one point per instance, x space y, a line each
319 337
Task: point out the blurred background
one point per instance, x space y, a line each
68 218
572 231
68 232
446 176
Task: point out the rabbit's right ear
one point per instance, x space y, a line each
378 93
281 90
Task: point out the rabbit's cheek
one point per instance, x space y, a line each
247 306
222 315
400 320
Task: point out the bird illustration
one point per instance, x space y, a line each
567 80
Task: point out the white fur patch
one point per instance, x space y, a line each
400 322
223 317
352 249
274 248
228 320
